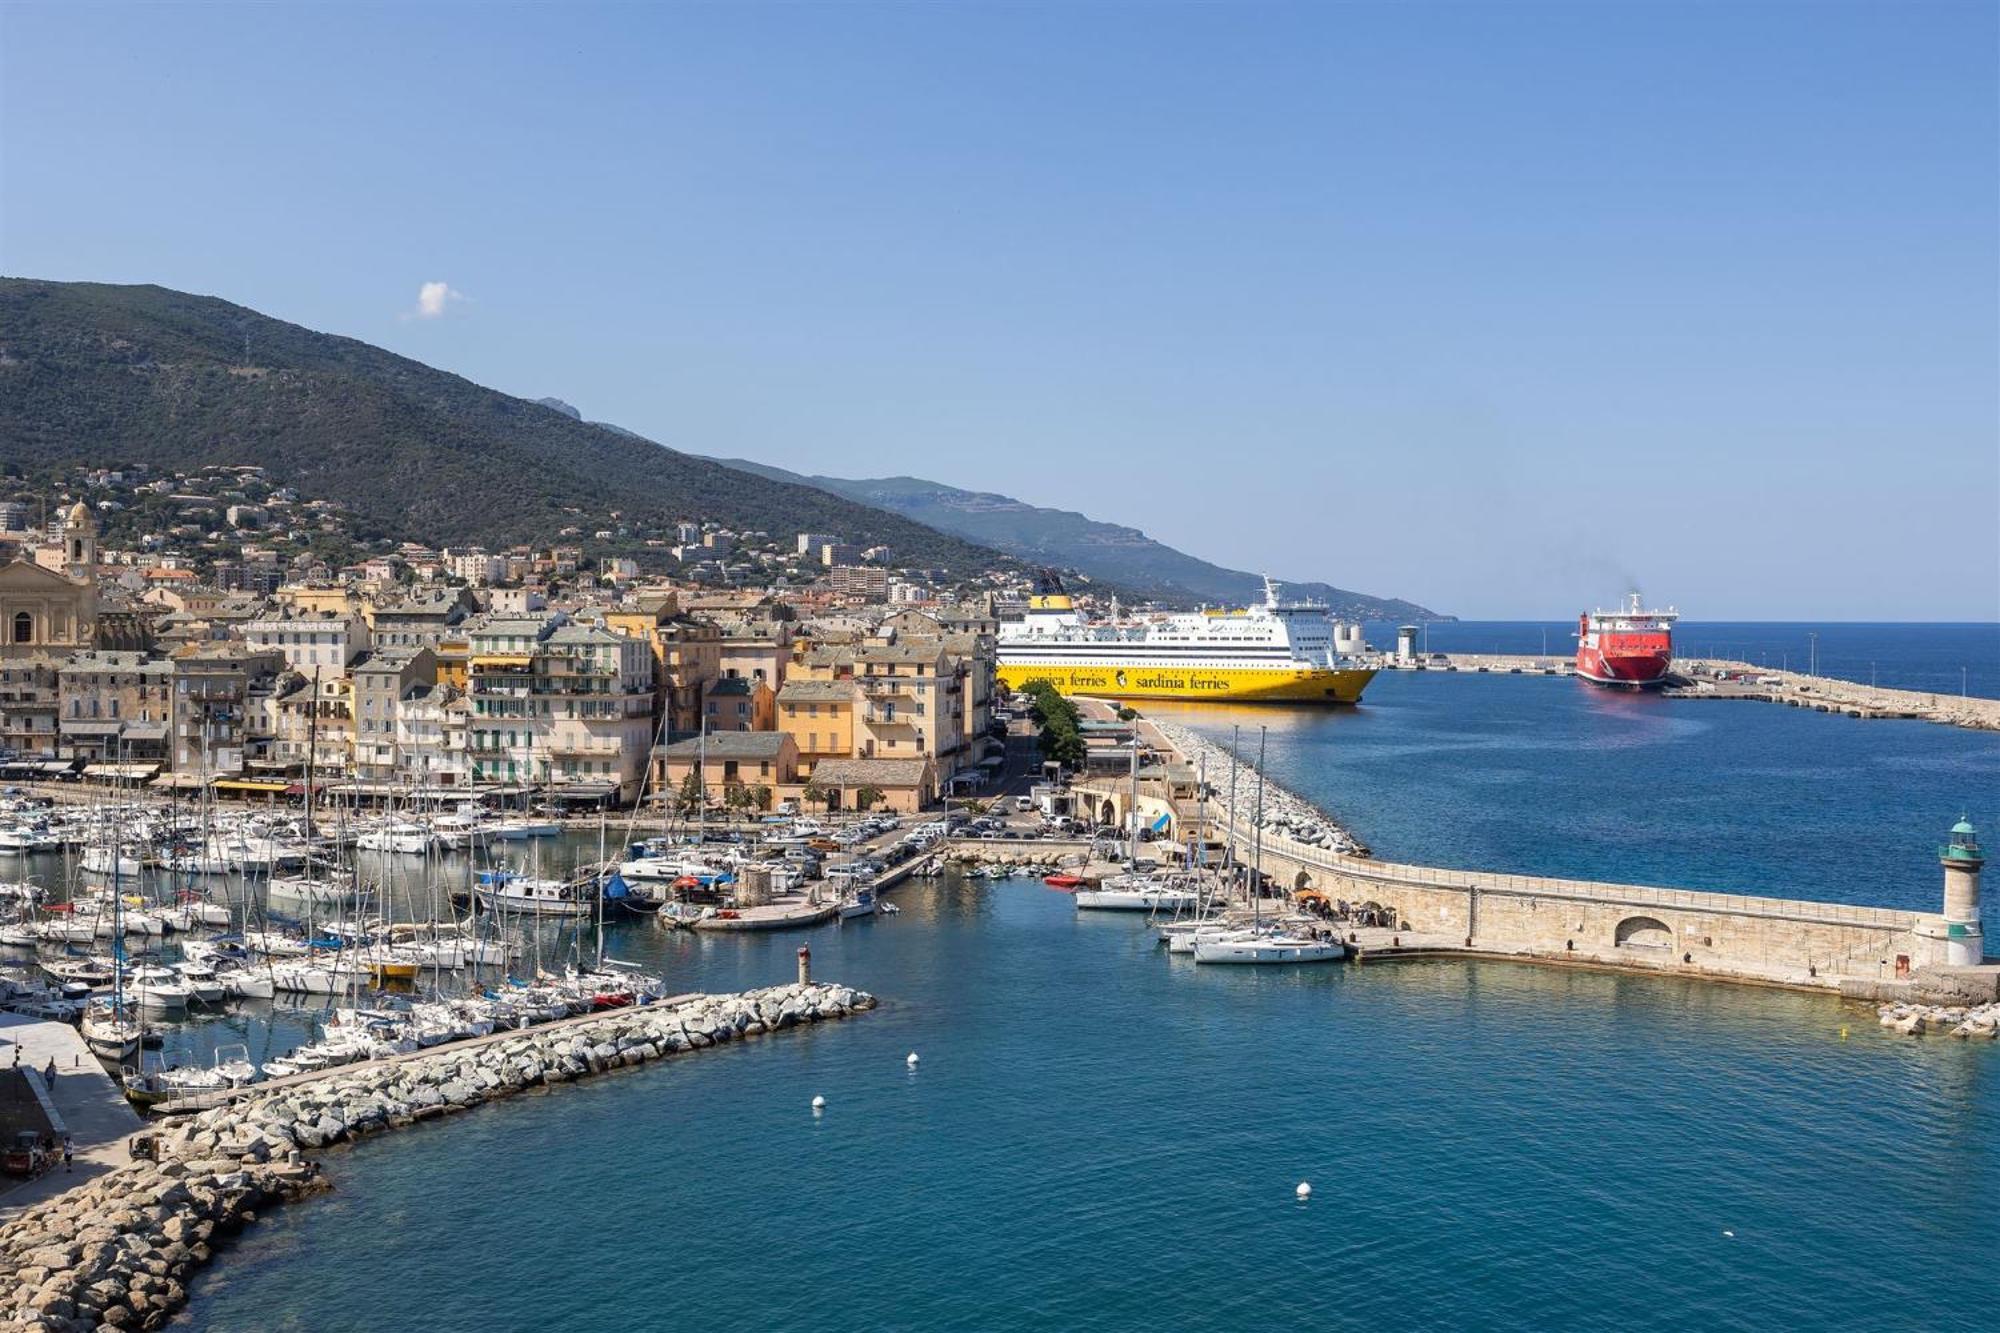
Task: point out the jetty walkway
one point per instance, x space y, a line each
1720 678
1864 952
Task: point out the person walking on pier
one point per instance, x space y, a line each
49 1075
69 1151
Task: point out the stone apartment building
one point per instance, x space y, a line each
431 739
687 655
559 705
819 717
116 708
311 724
419 620
30 705
312 643
739 703
215 704
382 681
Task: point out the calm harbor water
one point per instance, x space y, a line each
1100 1138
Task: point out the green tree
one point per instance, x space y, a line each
692 793
867 796
815 794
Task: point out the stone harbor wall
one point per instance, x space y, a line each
1785 941
120 1250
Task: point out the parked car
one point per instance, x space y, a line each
25 1155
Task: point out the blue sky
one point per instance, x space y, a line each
1493 306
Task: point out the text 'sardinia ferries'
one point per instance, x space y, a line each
1629 648
1279 652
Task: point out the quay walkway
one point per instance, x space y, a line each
86 1102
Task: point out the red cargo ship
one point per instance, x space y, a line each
1630 648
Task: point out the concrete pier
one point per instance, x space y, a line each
1720 678
86 1103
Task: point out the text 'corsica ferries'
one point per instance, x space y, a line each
1277 652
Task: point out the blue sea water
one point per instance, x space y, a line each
1935 658
1102 1138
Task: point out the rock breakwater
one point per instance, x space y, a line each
1979 1022
1285 813
119 1251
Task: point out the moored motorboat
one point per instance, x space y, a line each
1266 947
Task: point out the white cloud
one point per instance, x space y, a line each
433 298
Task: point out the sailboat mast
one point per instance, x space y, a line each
1229 850
1257 855
312 751
1132 810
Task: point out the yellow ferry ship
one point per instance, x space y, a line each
1275 652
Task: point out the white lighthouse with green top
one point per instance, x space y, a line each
1964 942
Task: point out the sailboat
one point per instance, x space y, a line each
1260 944
111 1031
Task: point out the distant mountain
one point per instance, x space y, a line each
99 374
1111 552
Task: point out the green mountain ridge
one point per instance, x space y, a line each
96 374
1112 552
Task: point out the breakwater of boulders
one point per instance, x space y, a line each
1285 813
120 1250
1979 1022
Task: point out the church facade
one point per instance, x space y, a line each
48 598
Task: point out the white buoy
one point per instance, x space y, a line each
1305 1190
911 1060
1730 1234
819 1103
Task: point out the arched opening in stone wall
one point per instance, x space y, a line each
1107 813
1302 881
1644 932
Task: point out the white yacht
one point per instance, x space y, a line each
1266 946
1136 893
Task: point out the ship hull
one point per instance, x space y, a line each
1645 671
1314 685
